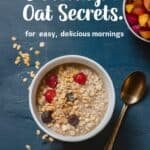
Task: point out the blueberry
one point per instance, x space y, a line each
73 120
70 97
46 116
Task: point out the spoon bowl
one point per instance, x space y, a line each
133 88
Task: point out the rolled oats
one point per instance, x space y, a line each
50 139
32 74
42 44
37 64
17 60
31 49
18 47
28 147
45 136
15 45
37 52
24 79
13 38
38 132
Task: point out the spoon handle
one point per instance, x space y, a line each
111 140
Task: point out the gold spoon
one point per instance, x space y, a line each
132 91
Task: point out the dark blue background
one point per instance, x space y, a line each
118 56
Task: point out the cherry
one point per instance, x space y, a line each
49 95
52 80
80 78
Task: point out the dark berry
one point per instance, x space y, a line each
80 78
46 116
73 120
49 95
70 97
52 80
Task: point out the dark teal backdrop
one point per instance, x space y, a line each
118 56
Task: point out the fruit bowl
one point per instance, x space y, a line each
137 17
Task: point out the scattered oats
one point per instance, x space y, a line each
25 79
15 45
37 52
25 57
28 147
37 67
32 74
45 136
18 47
37 64
20 53
42 44
18 57
13 38
31 49
38 132
50 139
17 60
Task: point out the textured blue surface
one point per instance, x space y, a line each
119 57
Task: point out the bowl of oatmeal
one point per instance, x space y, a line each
72 98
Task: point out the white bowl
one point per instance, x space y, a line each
72 59
128 25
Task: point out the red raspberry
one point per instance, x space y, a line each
52 80
49 95
80 78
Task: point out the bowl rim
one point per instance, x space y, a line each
129 27
99 127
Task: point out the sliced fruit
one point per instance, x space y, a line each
148 23
129 8
139 10
145 34
129 1
147 5
136 28
138 2
143 19
132 19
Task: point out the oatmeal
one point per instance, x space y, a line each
72 99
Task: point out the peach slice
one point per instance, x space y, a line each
148 23
129 8
138 2
145 34
138 10
147 5
143 19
